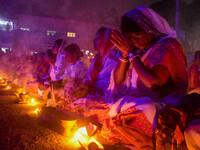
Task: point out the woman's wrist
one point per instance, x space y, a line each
124 55
123 58
134 58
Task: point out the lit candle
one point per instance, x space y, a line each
32 100
36 111
8 87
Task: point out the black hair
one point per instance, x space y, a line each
102 30
50 54
74 48
59 42
128 25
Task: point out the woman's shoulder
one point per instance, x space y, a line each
168 44
169 41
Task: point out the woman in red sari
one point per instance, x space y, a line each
151 77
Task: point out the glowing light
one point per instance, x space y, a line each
84 140
0 78
91 54
20 90
8 87
32 100
87 52
3 22
36 111
71 34
25 29
95 141
83 130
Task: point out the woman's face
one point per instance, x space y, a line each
98 42
141 39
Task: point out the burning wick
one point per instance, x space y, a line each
8 87
36 111
32 100
83 139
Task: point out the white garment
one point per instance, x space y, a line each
76 70
58 70
103 78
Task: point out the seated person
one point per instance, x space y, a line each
40 74
154 78
50 58
74 87
97 77
59 68
98 74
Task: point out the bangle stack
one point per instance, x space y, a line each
133 58
122 59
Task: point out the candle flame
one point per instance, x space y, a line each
83 139
36 111
8 87
32 100
83 130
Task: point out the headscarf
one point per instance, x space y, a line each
158 27
151 22
100 58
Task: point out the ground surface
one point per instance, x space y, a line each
21 128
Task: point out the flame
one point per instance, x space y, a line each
83 130
36 111
8 87
32 100
84 140
0 78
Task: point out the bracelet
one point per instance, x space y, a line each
132 59
123 59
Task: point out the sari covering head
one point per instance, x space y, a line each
163 51
101 56
132 118
151 22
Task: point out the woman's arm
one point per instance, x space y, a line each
125 46
120 72
155 77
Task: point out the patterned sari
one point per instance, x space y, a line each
132 118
